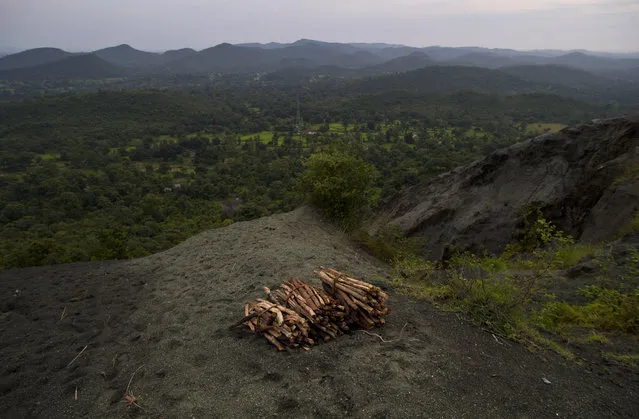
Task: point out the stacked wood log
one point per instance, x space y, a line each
366 303
281 326
325 315
299 315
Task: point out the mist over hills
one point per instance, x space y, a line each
583 75
268 57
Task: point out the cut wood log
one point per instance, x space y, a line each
297 314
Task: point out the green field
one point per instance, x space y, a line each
50 156
543 127
264 136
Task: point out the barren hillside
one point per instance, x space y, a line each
584 179
167 316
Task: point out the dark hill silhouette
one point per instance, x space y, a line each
593 63
32 57
232 58
555 74
309 53
85 66
127 56
413 61
448 79
227 58
178 54
484 59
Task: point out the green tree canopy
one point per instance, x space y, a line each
340 185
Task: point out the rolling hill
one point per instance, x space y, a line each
593 63
413 61
127 56
85 66
555 74
443 79
389 58
32 57
226 58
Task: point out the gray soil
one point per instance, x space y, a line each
167 316
577 177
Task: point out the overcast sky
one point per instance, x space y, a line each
83 25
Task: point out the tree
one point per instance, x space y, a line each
340 185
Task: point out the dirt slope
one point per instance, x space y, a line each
575 176
168 314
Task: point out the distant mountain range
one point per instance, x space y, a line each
83 66
306 57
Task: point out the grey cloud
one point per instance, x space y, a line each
164 24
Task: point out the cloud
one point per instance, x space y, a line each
165 24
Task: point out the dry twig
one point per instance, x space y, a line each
77 356
128 395
384 340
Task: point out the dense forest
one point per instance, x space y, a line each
123 164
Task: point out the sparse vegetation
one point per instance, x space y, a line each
631 360
511 293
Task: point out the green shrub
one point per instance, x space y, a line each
607 310
340 185
494 302
632 226
536 233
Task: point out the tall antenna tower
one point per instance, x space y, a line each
298 118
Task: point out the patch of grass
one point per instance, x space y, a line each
496 301
632 226
631 360
507 293
264 136
631 174
569 255
166 138
595 337
389 243
542 127
50 156
536 338
607 310
338 127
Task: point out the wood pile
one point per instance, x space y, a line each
299 315
279 325
366 302
326 316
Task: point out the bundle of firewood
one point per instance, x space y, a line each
298 315
279 325
325 315
366 303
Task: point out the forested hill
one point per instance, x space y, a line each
82 67
118 174
123 152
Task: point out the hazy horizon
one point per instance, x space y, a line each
77 25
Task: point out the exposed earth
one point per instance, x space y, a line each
583 178
166 318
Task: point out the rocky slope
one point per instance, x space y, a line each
578 177
85 329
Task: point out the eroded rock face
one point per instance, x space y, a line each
575 176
